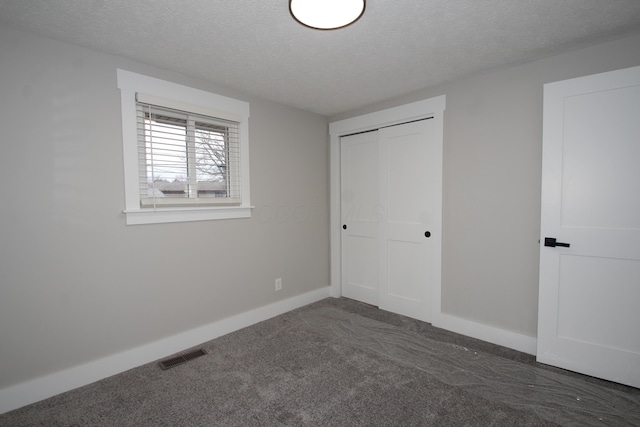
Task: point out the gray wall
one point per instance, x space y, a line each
492 173
76 283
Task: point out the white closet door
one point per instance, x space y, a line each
409 243
360 217
590 275
391 217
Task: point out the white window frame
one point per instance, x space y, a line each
186 99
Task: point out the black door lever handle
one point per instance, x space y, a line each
551 242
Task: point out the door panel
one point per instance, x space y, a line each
589 292
601 160
408 204
403 281
617 301
360 214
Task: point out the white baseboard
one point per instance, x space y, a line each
32 391
486 333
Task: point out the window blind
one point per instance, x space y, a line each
186 159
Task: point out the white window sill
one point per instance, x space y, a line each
164 215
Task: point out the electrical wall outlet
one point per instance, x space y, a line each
278 284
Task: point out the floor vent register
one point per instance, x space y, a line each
183 358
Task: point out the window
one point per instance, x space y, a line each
185 152
186 159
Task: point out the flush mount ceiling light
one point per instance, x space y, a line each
326 14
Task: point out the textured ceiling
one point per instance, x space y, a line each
396 48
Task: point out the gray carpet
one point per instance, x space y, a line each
342 363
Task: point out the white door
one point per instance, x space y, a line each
409 206
588 316
360 216
391 217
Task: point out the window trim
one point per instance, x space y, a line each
189 99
